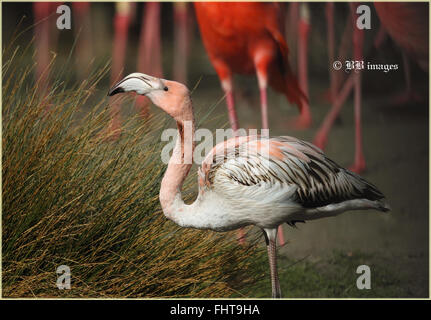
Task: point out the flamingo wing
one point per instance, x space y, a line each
284 169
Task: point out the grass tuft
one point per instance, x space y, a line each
72 197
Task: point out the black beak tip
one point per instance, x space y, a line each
114 91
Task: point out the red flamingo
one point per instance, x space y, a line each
247 38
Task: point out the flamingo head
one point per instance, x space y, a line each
171 96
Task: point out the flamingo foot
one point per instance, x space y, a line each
301 123
358 166
320 140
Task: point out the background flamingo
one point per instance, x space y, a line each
250 180
247 38
411 34
407 25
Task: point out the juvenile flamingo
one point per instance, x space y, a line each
250 180
247 38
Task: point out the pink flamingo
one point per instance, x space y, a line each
250 180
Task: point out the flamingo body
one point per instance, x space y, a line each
246 38
281 179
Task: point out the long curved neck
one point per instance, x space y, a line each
180 162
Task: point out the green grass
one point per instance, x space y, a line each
73 197
334 277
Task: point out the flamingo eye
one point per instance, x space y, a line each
166 88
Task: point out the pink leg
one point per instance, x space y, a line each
359 164
181 41
264 108
42 43
358 39
121 26
345 45
262 80
149 51
331 48
82 28
321 137
304 120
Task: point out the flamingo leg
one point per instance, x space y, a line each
331 49
181 41
149 51
358 39
225 77
263 82
321 137
359 164
304 120
81 12
121 26
42 43
271 245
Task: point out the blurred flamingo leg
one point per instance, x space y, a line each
321 137
331 49
358 40
82 19
121 27
41 11
304 120
181 41
149 52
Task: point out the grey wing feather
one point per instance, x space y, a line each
319 181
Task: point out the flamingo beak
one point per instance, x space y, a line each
137 82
